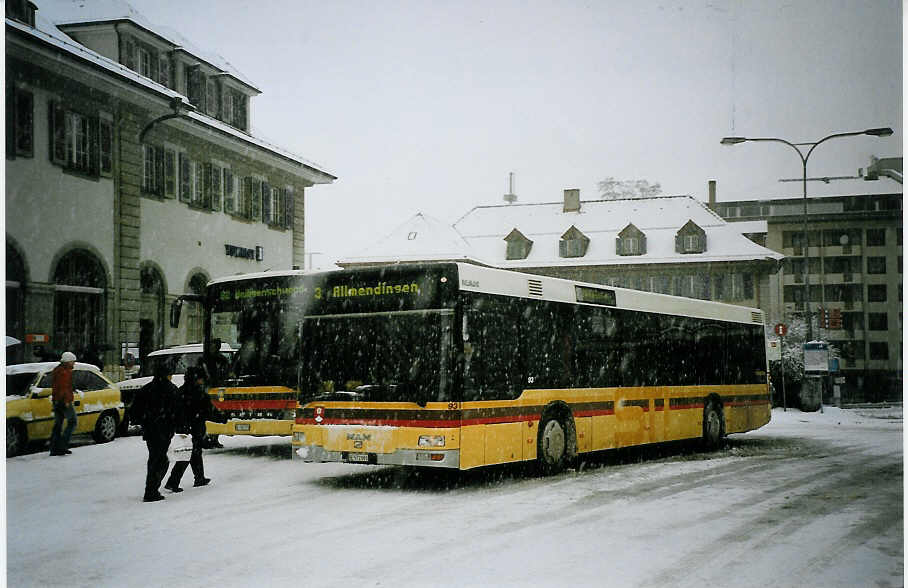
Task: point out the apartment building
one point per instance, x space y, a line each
853 253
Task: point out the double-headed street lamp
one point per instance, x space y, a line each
880 132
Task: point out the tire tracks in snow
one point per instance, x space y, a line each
851 487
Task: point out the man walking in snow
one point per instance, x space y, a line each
196 409
155 408
62 397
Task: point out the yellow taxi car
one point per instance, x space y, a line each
29 411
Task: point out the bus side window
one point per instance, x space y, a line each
491 368
547 346
596 351
711 351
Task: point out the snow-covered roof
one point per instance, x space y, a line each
80 12
420 238
46 31
45 366
479 234
188 348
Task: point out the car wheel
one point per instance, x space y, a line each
713 427
553 450
16 438
105 428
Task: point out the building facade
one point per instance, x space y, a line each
853 253
132 177
667 244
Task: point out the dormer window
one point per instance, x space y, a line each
690 239
144 61
518 245
195 83
212 97
573 243
630 241
22 11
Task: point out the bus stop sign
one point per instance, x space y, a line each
781 329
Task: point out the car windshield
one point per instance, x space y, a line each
176 363
18 384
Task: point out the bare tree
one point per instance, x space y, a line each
612 189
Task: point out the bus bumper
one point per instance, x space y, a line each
449 458
256 428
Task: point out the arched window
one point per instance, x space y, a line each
79 309
151 310
195 316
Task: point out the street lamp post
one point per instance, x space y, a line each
878 132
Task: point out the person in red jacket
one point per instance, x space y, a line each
62 397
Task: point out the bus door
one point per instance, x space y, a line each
492 381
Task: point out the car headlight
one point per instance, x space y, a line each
431 440
299 437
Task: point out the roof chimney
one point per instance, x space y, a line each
712 195
572 200
510 197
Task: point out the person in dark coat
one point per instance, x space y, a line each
155 408
196 409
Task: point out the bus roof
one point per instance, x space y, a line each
476 278
505 282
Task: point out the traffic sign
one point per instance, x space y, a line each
781 329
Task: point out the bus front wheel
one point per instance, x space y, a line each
554 444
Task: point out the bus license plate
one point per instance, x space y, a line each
358 457
242 427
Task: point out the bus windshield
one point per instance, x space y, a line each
260 319
402 356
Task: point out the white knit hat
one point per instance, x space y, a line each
68 356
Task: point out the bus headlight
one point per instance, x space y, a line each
299 436
431 440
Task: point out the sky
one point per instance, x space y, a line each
428 106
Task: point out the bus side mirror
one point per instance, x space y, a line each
175 309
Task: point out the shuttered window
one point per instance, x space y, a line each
185 178
153 170
170 173
74 139
229 192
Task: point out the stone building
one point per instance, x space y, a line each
132 176
667 244
854 263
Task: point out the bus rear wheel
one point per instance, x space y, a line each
713 425
554 445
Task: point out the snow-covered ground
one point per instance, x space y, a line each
809 500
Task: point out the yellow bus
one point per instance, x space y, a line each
258 315
459 366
